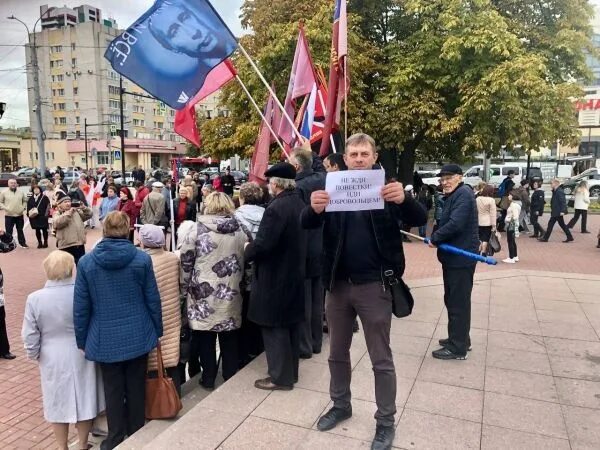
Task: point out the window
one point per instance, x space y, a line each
55 106
505 170
172 113
75 91
55 48
113 90
139 109
53 78
103 158
73 46
57 63
63 120
139 123
73 62
113 104
60 77
61 106
53 92
56 121
158 125
115 118
76 105
36 156
61 92
63 134
77 119
78 134
74 75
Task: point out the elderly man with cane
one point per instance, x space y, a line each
458 226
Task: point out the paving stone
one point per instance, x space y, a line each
587 368
515 325
520 384
578 392
557 305
584 286
412 328
328 441
583 425
505 358
496 438
516 341
451 401
579 331
409 345
524 415
296 407
468 373
421 430
258 433
572 348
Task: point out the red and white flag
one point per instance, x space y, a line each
185 119
262 147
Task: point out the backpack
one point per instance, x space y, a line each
502 188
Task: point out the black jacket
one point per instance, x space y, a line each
458 226
279 255
385 226
307 182
228 183
558 204
43 205
537 203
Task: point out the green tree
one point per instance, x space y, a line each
434 79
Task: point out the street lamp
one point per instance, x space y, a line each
36 89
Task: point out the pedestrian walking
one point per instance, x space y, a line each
127 205
118 320
249 216
536 208
424 198
166 271
14 204
504 189
363 253
520 196
277 296
7 244
558 209
307 182
212 263
72 391
38 211
69 224
581 203
459 228
486 216
154 207
512 229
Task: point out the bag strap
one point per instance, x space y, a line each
159 361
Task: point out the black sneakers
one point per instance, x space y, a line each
445 342
384 437
331 418
444 353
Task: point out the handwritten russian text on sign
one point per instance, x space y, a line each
355 190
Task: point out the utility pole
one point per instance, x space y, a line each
87 167
122 127
37 104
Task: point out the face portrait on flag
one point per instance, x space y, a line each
170 50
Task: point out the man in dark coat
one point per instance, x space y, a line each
558 209
228 182
308 181
536 208
505 188
362 255
459 227
277 294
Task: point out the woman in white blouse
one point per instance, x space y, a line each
582 203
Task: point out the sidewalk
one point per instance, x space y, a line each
532 380
531 310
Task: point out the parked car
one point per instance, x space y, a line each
4 177
27 173
430 178
592 176
128 179
498 172
240 177
70 176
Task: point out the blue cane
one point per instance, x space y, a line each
455 250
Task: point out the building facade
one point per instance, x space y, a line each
79 87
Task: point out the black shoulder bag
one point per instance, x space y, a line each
402 299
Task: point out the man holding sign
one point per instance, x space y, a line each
362 246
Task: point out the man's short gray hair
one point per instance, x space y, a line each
361 139
283 183
303 157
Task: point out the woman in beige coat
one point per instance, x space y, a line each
486 211
166 271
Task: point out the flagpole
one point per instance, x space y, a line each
262 78
325 112
262 116
345 98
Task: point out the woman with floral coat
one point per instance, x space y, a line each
212 264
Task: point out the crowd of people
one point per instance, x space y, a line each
269 271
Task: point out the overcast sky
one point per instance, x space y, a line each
13 83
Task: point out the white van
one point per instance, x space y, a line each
498 172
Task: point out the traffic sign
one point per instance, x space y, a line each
117 155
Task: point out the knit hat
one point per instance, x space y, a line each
61 197
152 236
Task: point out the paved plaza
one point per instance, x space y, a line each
532 380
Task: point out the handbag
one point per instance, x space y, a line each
571 204
162 401
402 299
34 212
494 243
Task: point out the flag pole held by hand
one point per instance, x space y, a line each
455 250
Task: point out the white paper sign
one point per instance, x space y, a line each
355 190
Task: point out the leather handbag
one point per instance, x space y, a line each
162 401
402 299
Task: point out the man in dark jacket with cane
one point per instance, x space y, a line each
458 226
558 209
360 249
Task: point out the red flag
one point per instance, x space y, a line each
338 81
260 158
301 82
185 119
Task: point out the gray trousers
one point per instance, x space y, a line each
311 330
374 308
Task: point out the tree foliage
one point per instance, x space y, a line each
443 79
